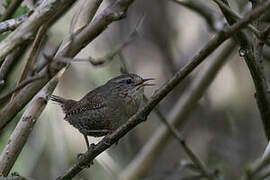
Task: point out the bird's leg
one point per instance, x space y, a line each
87 142
81 155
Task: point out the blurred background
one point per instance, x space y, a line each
223 127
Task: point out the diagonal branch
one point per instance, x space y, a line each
236 16
196 160
177 116
141 115
12 24
23 129
27 29
256 71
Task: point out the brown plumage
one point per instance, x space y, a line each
105 108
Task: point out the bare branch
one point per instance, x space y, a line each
27 29
196 161
12 24
84 15
256 71
25 126
20 86
104 59
8 62
256 168
235 15
15 176
177 117
141 115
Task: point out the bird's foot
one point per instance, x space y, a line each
82 156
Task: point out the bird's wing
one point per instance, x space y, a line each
91 101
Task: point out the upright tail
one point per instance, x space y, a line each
66 104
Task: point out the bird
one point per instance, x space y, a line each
104 109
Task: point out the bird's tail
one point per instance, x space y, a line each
57 99
66 104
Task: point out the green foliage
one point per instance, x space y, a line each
4 35
20 11
7 3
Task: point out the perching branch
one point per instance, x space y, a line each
177 116
141 115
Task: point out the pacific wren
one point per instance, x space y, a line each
105 108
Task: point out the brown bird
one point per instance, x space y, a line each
105 108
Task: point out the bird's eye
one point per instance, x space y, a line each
128 81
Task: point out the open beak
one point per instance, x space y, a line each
143 83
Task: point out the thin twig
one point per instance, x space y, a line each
253 171
256 71
104 59
8 62
142 114
197 162
235 15
84 15
32 58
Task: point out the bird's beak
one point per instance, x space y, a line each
142 83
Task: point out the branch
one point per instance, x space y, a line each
20 86
180 139
14 4
235 15
84 15
27 29
104 59
12 24
8 62
253 171
24 127
259 79
75 42
141 115
177 117
25 95
15 176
